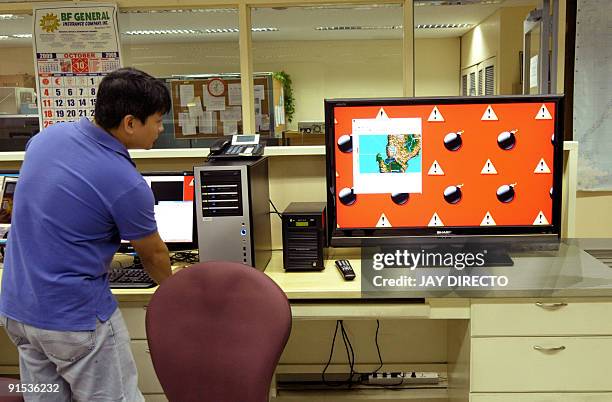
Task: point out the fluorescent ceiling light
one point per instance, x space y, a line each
367 28
442 26
356 28
421 3
351 7
11 17
193 10
193 31
3 37
22 36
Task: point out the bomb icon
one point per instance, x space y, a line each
345 143
347 196
551 193
400 198
506 193
453 194
552 139
453 141
507 140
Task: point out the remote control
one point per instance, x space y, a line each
344 266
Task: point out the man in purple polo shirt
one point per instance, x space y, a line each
78 195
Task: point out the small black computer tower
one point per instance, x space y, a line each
304 237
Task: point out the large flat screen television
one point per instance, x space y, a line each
466 167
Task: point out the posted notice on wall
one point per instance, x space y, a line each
74 47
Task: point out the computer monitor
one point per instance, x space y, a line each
418 168
174 209
8 182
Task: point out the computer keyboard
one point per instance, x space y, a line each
131 277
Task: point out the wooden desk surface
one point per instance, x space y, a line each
325 284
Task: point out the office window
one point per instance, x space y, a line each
179 42
330 51
196 51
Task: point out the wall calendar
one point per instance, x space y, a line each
75 46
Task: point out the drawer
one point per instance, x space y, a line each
572 397
147 379
514 365
541 318
134 316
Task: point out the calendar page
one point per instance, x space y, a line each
74 47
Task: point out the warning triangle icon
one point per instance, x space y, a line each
383 222
542 167
488 168
489 114
337 175
488 220
541 219
382 115
543 113
335 121
435 220
435 169
435 115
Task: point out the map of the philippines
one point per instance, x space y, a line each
394 153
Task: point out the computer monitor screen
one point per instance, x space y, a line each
443 166
174 210
8 182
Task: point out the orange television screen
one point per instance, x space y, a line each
448 165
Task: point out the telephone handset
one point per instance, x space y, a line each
240 146
219 146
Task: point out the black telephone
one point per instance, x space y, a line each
240 146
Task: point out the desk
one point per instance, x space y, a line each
484 343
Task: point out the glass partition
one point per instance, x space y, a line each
328 51
469 48
196 52
18 111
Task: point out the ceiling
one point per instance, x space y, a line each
356 22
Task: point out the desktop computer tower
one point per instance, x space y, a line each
233 212
304 237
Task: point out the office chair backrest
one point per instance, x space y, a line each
216 331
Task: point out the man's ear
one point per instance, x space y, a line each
128 123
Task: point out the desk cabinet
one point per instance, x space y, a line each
540 346
134 316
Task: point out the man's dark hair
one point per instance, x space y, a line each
129 91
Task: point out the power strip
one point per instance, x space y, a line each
399 378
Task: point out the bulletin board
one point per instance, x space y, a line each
212 107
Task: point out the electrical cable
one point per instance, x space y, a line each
331 352
190 257
275 210
350 354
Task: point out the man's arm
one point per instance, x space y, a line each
154 256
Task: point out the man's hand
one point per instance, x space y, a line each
154 256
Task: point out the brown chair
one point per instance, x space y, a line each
216 331
6 394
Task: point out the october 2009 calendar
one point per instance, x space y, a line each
74 47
